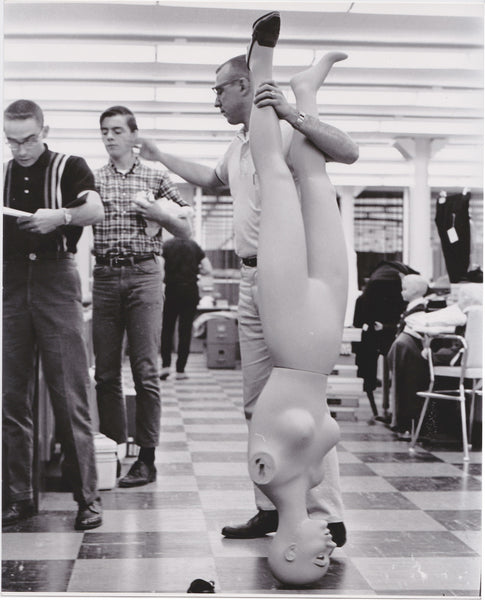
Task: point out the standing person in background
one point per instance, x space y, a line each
184 261
234 98
42 308
127 289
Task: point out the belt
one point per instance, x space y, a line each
251 261
41 256
123 261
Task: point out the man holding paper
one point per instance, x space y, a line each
42 309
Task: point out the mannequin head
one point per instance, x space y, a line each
301 556
413 286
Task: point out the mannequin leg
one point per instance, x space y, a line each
325 241
282 261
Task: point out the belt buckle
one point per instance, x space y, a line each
116 261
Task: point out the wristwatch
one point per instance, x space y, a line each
67 216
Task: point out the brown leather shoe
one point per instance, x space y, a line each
89 517
265 521
17 511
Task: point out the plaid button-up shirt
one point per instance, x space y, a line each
123 230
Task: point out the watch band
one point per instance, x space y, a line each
299 120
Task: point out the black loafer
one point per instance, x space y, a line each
266 31
139 474
17 511
89 517
338 532
265 521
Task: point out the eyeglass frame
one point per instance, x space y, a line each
218 89
27 143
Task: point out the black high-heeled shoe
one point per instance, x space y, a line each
266 31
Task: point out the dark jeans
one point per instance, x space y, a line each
128 299
180 303
42 309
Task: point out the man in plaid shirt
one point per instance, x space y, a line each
127 289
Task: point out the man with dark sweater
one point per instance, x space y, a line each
184 260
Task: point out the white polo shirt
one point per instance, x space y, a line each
236 170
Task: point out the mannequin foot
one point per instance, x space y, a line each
266 31
312 78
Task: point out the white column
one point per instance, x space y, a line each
420 150
420 252
347 195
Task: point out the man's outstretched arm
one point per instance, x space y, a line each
192 172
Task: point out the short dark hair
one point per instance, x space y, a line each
239 67
24 109
120 110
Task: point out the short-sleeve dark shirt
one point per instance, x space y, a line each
53 181
182 258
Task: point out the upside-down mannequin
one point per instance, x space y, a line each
303 290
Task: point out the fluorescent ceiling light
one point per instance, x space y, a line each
412 59
190 94
108 94
417 7
194 123
438 98
283 5
27 51
188 53
60 124
215 54
185 93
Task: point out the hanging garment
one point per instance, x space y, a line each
453 223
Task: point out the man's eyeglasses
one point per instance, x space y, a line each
28 143
218 89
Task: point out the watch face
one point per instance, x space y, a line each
67 217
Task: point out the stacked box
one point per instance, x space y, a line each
106 454
222 341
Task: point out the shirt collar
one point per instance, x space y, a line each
242 134
41 162
134 166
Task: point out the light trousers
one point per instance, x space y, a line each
324 501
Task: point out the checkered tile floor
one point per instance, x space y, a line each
413 521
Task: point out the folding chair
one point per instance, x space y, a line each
470 369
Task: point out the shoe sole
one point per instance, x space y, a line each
236 536
127 485
92 525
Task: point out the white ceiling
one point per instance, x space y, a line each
414 69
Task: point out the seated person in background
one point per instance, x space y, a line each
377 312
407 362
408 371
302 293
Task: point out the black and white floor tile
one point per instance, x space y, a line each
413 520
